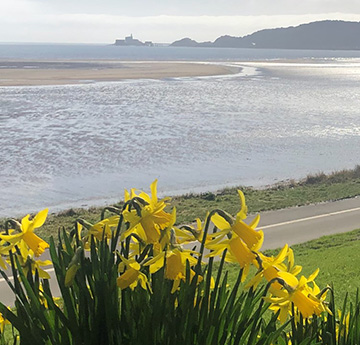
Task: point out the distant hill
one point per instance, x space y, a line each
188 42
327 34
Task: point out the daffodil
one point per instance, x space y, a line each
130 275
297 292
252 238
2 263
242 214
43 299
5 249
342 327
291 267
28 263
320 295
269 268
73 267
103 229
146 216
189 233
27 227
237 251
175 265
167 235
3 322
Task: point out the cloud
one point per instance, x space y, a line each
142 8
104 28
20 8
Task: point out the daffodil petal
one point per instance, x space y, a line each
40 218
220 222
242 214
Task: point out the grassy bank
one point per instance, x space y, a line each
312 189
336 256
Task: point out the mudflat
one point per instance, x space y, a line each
22 73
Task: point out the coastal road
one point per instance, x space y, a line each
300 224
292 226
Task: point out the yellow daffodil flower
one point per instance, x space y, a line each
269 268
152 219
252 238
297 292
73 267
27 227
189 233
5 248
82 233
43 299
342 327
291 267
131 275
320 295
175 265
238 252
3 322
28 262
2 263
167 234
242 214
103 228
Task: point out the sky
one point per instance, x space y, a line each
160 21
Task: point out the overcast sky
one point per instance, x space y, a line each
102 21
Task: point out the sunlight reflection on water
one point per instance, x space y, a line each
81 144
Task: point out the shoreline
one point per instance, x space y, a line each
105 201
342 178
312 190
38 73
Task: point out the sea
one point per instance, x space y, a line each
283 115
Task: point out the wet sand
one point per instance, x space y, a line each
22 73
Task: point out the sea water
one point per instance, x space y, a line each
161 53
81 145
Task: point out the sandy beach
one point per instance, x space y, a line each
21 73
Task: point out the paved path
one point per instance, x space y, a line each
292 225
300 224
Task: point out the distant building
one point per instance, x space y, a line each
130 41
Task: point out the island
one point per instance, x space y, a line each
130 41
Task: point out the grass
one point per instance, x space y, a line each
312 189
337 257
282 196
